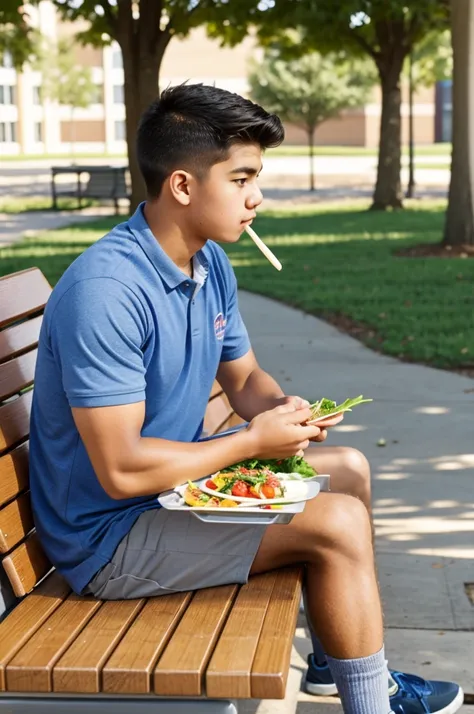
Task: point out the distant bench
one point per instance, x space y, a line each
105 182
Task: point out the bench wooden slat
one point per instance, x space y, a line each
228 673
17 374
20 338
15 420
180 670
217 413
27 618
16 521
30 669
13 473
129 669
79 668
26 565
22 294
272 659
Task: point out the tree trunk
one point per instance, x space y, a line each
388 190
411 133
311 157
459 225
142 56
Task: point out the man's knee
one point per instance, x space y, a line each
356 465
342 528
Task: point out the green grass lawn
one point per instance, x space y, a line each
285 150
18 204
337 260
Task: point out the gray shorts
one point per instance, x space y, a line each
173 551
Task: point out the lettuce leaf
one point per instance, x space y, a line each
326 407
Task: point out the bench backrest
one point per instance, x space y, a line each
23 297
107 183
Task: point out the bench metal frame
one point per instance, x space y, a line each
109 704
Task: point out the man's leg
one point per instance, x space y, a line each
350 474
342 592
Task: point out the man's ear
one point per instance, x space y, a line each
179 183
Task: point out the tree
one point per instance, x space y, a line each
309 90
143 29
429 62
384 31
16 36
65 82
459 226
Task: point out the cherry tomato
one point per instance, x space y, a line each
210 484
268 491
240 489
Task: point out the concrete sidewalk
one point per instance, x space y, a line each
423 486
14 226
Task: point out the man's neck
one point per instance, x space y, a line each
171 237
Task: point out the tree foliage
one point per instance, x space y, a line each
16 34
384 30
309 90
433 59
64 81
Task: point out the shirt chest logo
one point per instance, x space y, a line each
219 326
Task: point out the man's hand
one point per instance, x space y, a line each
301 403
281 432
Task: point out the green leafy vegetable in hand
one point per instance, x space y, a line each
292 464
326 407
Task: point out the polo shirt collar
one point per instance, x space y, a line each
165 267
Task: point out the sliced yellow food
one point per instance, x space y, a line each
227 503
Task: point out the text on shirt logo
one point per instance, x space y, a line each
219 326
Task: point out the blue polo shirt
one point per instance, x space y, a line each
122 325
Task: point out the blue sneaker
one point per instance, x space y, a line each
415 695
319 679
408 694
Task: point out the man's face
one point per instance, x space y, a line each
225 201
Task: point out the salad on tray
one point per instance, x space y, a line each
250 481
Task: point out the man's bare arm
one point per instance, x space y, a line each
129 465
249 388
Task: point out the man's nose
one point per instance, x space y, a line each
255 198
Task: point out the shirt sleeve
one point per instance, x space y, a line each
236 340
97 330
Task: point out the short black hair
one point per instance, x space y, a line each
194 125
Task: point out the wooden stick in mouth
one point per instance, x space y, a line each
261 245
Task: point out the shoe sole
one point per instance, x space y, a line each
323 690
454 705
327 690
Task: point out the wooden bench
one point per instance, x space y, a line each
190 652
104 182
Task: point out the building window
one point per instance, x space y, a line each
118 94
444 110
117 62
119 130
7 94
7 60
98 95
7 131
36 95
38 131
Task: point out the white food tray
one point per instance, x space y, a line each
243 514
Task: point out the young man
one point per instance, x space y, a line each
134 334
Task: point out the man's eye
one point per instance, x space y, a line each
241 181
